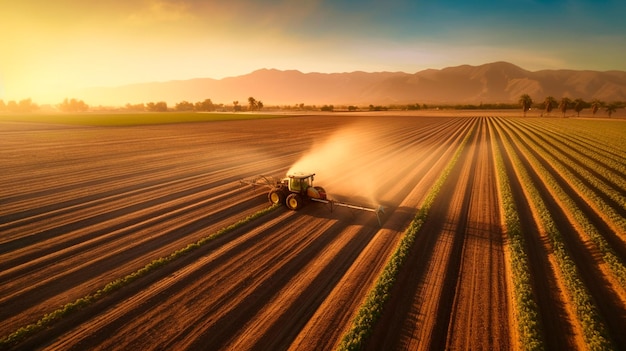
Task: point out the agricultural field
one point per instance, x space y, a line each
499 233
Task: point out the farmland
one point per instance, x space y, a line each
499 233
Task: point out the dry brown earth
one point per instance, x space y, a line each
83 206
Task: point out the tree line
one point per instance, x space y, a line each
76 105
547 106
565 104
207 105
23 106
27 106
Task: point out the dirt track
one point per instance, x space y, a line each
84 206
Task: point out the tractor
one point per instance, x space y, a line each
296 189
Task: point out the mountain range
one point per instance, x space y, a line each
497 82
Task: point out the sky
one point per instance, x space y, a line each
50 49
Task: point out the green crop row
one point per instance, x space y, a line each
49 318
607 137
594 331
555 159
526 311
596 144
371 310
610 167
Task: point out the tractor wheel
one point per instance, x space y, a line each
276 196
294 201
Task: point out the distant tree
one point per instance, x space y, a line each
252 104
352 108
259 105
595 106
611 108
549 103
564 105
579 104
414 107
378 108
328 108
3 106
236 106
27 105
184 106
73 105
160 106
526 102
206 105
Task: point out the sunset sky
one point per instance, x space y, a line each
50 49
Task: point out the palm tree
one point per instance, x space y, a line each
611 108
526 102
565 102
549 104
579 104
595 106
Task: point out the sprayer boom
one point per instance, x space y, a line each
297 188
261 180
378 211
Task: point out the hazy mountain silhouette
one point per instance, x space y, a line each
498 82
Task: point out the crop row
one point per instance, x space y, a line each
525 311
605 164
606 138
594 330
553 167
577 163
534 155
371 309
557 161
80 303
587 140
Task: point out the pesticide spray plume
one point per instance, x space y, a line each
349 164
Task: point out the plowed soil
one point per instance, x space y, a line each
83 206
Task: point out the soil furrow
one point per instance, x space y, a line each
82 207
588 261
408 320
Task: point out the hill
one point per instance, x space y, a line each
498 82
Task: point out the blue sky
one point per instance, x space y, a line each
58 47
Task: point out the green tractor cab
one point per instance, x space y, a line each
295 189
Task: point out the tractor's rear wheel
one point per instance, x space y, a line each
276 197
294 202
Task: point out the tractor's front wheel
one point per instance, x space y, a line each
294 201
276 197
